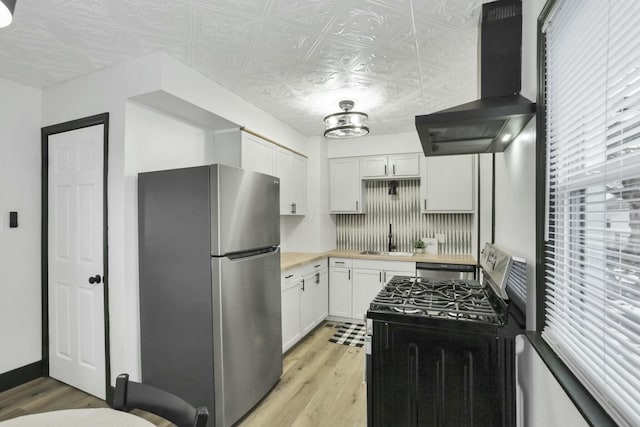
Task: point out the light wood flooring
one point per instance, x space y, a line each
321 385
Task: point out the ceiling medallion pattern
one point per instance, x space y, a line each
294 58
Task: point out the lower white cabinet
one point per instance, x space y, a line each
305 294
366 285
291 331
322 293
353 283
340 287
370 276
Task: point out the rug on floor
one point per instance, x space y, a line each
351 334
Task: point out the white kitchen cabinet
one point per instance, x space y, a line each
314 300
366 285
391 166
322 294
405 165
291 330
291 168
369 277
447 184
345 186
340 287
374 166
258 155
305 302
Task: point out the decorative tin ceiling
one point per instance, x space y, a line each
293 58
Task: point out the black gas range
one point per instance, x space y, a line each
440 352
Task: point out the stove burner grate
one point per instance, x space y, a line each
450 299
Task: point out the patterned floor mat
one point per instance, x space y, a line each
351 334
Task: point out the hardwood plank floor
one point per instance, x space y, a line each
321 385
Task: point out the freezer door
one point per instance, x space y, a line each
245 210
247 332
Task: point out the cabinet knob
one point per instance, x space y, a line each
394 169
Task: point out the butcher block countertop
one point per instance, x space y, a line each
290 260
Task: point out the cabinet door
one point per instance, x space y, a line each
258 155
292 171
299 184
307 303
340 292
374 167
284 172
366 285
345 186
404 165
321 295
447 184
290 316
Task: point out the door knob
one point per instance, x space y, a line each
96 279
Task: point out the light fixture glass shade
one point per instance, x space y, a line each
6 12
347 124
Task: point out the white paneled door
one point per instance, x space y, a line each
75 248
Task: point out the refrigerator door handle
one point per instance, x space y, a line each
253 254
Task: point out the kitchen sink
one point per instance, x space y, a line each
386 253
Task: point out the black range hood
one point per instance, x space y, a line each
489 124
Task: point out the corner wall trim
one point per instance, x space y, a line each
20 375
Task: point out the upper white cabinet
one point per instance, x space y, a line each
447 184
291 168
258 155
345 186
374 166
392 166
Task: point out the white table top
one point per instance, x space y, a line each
94 417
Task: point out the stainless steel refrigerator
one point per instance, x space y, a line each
210 314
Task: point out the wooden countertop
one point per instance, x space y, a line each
290 260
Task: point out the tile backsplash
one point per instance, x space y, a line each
370 231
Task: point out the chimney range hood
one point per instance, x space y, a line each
489 124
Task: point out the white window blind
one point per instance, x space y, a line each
592 261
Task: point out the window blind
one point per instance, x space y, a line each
592 259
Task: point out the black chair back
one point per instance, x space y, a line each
133 395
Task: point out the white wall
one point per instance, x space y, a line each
20 181
108 91
155 141
544 403
515 205
372 145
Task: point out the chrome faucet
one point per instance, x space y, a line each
392 247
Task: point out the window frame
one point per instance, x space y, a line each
584 401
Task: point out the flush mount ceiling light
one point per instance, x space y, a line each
347 124
6 12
